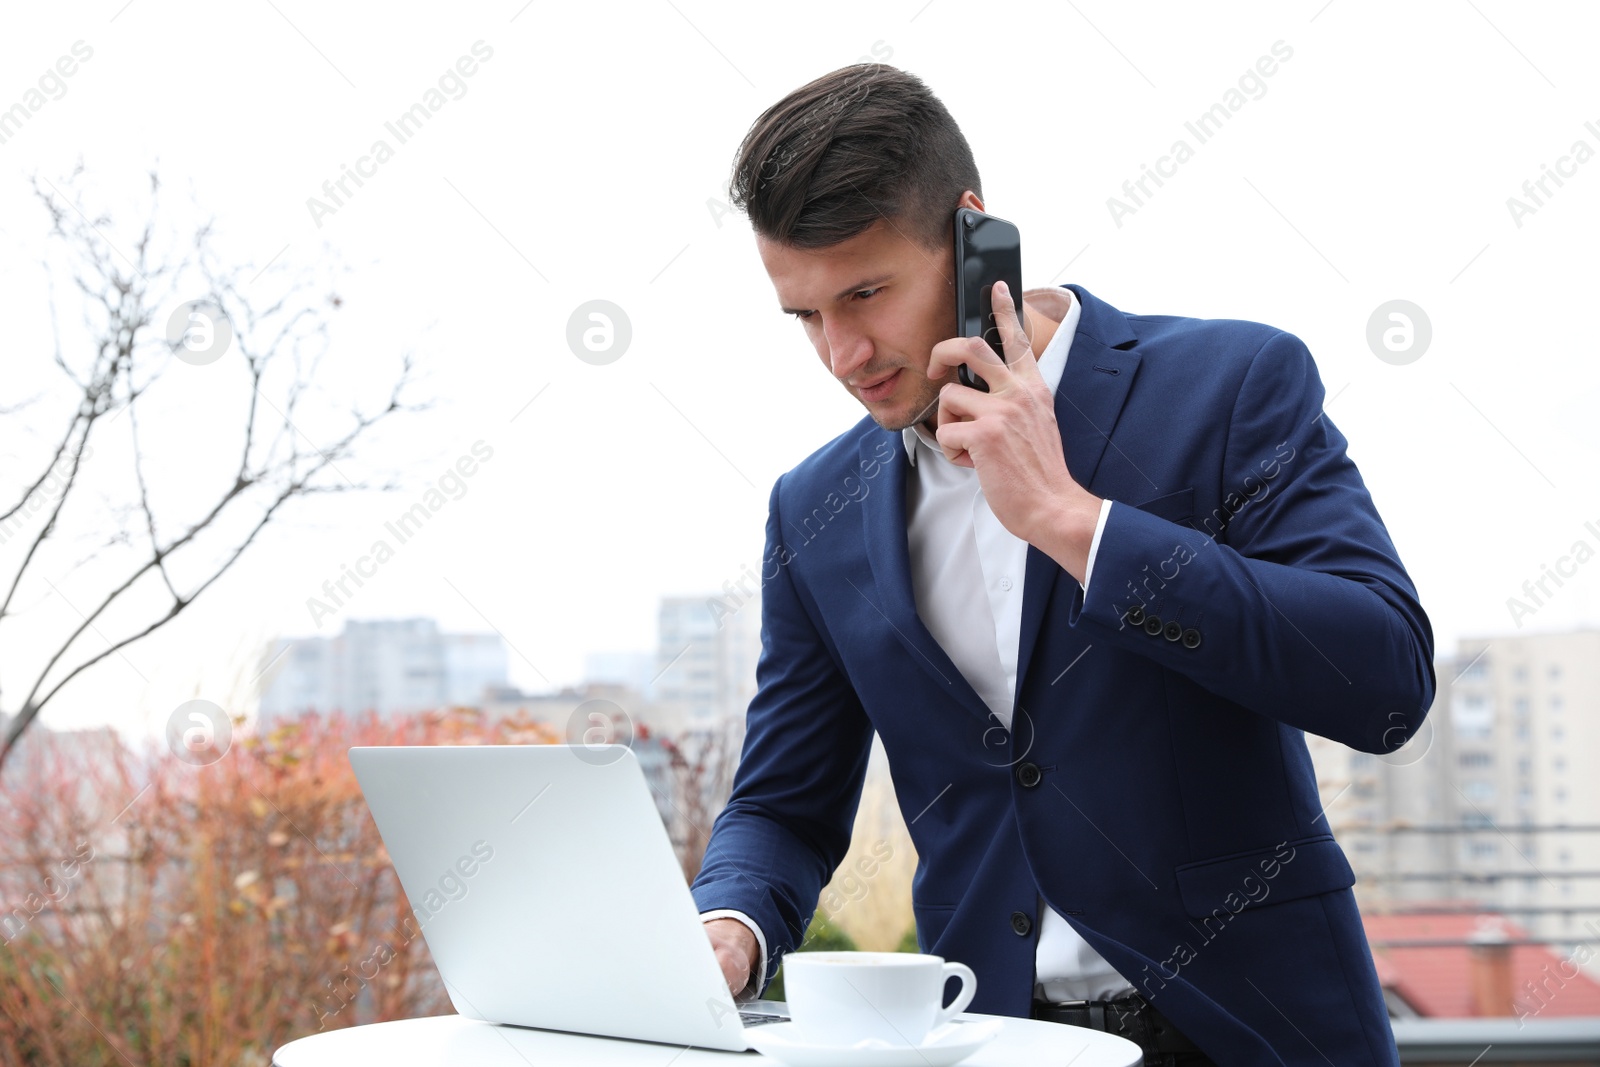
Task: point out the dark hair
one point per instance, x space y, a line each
865 142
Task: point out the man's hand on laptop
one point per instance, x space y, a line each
735 948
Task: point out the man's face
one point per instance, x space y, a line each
873 307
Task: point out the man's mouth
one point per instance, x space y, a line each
882 389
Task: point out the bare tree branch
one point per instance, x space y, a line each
126 299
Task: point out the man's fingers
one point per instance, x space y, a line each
733 972
958 407
980 356
735 948
947 355
1012 334
957 403
953 438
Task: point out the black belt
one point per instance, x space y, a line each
1129 1016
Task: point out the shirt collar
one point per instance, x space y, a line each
1053 302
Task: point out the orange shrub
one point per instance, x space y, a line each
154 912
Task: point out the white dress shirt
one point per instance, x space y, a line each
949 529
949 526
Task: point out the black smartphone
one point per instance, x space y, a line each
988 249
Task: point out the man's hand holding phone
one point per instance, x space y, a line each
1010 436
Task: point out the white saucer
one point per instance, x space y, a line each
950 1044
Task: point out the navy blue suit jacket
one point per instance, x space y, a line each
1155 787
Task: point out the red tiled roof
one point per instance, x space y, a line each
1437 980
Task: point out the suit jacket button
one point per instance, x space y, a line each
1172 632
1021 925
1152 624
1134 615
1028 775
1191 638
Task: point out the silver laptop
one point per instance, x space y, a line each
547 890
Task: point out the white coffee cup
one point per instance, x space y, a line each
841 998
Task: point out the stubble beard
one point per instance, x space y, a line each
921 406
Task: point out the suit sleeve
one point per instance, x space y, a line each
1302 608
788 819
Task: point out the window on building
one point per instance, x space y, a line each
1472 715
1476 759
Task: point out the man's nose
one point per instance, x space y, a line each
848 349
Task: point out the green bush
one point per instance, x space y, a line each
821 936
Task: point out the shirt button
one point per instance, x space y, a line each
1021 924
1005 583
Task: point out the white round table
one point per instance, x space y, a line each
451 1041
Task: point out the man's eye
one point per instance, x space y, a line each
805 316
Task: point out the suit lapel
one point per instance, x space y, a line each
884 526
1094 386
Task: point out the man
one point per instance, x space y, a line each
1089 612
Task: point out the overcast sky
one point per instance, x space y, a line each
586 158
